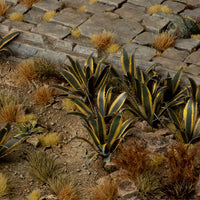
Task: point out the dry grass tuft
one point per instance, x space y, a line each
182 172
34 195
28 3
164 41
43 95
43 166
82 9
50 139
156 8
108 190
93 1
26 71
113 48
48 15
102 41
16 16
133 159
197 36
68 105
3 7
3 186
68 192
75 32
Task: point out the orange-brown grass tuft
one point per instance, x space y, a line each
182 172
108 190
164 41
133 159
10 113
43 95
26 71
68 192
3 7
102 41
29 3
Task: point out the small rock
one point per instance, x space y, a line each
33 140
49 197
110 166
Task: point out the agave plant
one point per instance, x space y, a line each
84 82
105 139
194 91
7 143
189 127
6 39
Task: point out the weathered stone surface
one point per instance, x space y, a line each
175 54
168 63
174 6
145 3
91 8
63 45
145 38
194 58
47 5
4 29
20 8
112 2
155 23
126 187
2 18
33 140
52 29
34 16
86 50
130 11
187 44
13 2
144 53
19 25
124 30
70 17
193 70
192 13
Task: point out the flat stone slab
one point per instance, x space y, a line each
175 54
19 8
13 2
130 11
144 53
70 17
192 13
193 58
52 29
86 50
145 3
145 38
155 23
187 44
124 30
47 5
62 45
19 25
174 6
112 2
193 70
34 16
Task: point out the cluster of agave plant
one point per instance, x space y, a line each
143 92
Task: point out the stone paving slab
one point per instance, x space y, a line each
145 3
112 2
19 25
193 58
145 38
47 5
176 7
187 44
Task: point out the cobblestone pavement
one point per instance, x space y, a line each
129 21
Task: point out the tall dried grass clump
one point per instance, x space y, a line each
50 139
48 15
102 41
3 7
108 190
164 41
3 186
133 159
68 192
43 95
156 8
34 195
76 32
182 176
43 166
28 3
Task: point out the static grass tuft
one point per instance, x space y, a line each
34 195
3 7
3 186
102 41
197 36
16 16
82 9
108 190
68 105
48 15
163 41
43 166
43 95
50 139
156 8
93 1
113 48
75 32
68 192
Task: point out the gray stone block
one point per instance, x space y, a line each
193 70
12 2
86 50
47 5
144 53
4 29
34 16
192 13
19 25
187 44
112 2
145 38
145 3
193 58
19 8
62 45
174 6
70 17
175 54
52 29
